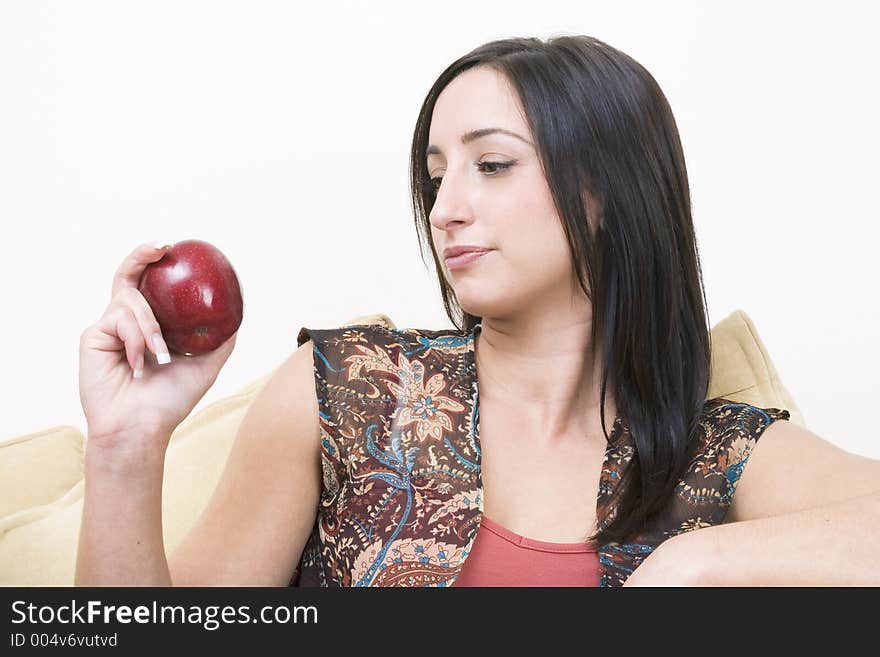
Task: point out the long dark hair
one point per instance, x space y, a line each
603 126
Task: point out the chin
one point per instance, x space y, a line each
483 307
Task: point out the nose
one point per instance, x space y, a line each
452 206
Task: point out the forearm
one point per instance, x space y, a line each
121 541
832 545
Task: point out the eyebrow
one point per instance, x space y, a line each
473 135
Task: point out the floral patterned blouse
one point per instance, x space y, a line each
401 499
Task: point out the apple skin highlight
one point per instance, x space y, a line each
195 295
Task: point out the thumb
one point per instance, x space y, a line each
224 351
213 361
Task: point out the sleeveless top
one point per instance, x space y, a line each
401 496
501 557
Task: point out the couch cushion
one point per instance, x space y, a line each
742 369
38 545
39 468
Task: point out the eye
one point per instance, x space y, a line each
433 184
497 166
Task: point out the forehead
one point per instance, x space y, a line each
477 98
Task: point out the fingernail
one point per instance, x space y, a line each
162 355
161 244
138 373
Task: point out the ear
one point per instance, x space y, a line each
595 212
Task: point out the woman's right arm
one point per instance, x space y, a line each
256 524
261 513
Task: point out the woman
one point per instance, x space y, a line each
588 452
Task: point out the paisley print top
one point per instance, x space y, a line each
401 499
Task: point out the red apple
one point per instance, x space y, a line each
195 296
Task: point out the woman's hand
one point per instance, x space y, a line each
128 397
687 559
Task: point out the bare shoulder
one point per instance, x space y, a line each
289 395
792 469
266 500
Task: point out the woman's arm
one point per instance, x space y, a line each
255 526
831 545
120 537
259 518
805 513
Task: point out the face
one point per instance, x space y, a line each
491 192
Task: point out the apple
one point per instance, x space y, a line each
195 296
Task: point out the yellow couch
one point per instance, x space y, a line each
41 474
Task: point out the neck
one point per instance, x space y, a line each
544 374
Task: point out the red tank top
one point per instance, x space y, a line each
500 557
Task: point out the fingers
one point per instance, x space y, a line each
132 299
126 327
118 330
129 272
128 324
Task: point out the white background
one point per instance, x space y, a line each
280 132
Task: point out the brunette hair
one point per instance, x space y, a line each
603 126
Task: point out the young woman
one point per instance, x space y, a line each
560 435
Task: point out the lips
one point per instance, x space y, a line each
454 251
465 259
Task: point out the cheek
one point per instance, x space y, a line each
540 254
535 237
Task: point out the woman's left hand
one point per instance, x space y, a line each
687 559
